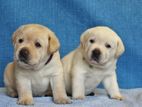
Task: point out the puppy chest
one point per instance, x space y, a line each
92 80
39 85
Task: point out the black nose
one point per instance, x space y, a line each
24 55
96 54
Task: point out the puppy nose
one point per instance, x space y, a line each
96 54
24 55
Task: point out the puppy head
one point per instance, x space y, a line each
101 45
33 45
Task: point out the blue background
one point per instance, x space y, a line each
69 18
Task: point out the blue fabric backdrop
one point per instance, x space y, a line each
69 18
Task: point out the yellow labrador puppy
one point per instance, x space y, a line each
93 62
36 64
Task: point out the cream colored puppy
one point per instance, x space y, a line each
36 64
93 62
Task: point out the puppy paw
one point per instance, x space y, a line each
79 97
60 100
118 97
25 101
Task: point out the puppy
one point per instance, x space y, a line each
36 64
93 62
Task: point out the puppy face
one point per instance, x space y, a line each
101 45
33 45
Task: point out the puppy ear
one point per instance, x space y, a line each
16 33
84 38
53 43
120 48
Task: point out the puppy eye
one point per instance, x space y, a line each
92 41
108 45
37 44
20 40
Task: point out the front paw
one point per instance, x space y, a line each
118 97
25 101
60 100
79 97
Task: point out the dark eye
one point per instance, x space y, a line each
108 46
21 41
92 41
37 44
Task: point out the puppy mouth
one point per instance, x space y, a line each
94 61
26 63
97 62
23 61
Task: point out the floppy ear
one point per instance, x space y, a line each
16 33
53 43
84 38
120 48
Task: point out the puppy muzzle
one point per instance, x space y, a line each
96 53
24 55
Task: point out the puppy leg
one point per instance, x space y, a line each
58 89
78 89
111 86
24 91
9 80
